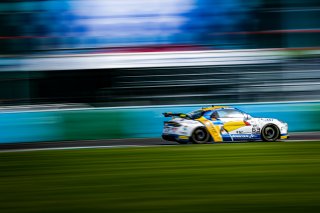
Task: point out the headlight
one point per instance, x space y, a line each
284 123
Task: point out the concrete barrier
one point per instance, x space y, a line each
133 122
31 127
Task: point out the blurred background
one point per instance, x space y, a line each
82 71
58 54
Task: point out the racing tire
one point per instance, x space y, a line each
270 133
200 136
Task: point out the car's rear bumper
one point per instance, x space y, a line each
176 138
169 137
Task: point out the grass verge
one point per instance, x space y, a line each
246 177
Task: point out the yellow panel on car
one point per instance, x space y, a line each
233 125
213 130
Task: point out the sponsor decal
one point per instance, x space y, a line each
240 135
244 136
166 130
267 119
255 130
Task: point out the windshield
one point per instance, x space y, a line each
195 114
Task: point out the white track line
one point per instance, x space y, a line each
74 147
126 146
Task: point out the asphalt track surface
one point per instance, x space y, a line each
294 137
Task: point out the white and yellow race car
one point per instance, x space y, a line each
221 124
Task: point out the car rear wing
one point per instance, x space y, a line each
171 114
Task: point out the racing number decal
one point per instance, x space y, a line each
213 130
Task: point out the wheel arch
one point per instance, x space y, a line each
196 126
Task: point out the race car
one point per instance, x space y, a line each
221 124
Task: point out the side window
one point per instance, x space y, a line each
214 115
230 113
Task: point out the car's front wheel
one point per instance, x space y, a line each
200 136
270 133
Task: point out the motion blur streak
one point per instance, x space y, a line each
256 177
158 52
184 77
56 25
96 73
63 55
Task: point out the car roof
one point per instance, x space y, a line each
216 107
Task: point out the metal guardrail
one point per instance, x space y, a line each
187 77
140 60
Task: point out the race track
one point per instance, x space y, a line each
294 137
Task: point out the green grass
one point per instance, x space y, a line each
246 177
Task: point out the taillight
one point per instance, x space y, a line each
170 123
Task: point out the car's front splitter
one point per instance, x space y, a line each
284 136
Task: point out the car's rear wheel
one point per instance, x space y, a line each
200 136
270 133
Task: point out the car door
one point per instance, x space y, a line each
234 123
